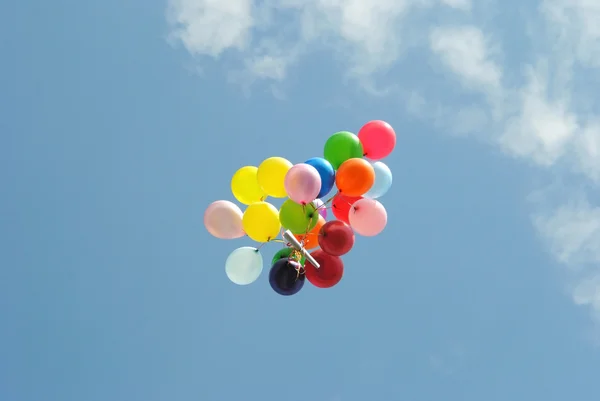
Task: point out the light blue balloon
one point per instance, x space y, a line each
244 265
383 181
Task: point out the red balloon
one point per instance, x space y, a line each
378 139
341 206
328 274
336 238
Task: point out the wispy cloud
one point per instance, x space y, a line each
572 231
269 36
466 51
549 120
210 27
539 106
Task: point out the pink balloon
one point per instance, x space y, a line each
367 217
321 207
223 219
302 183
378 139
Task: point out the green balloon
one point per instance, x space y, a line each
297 218
342 146
285 254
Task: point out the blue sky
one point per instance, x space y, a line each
121 121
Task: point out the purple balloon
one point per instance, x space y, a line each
302 183
320 206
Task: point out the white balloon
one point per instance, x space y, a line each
383 181
244 265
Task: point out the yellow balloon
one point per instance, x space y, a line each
271 176
261 222
244 186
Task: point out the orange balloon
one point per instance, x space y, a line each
355 177
311 240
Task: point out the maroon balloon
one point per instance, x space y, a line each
328 274
336 238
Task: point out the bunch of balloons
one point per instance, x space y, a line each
350 163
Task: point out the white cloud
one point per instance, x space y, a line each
537 108
211 26
366 34
542 122
587 293
542 128
572 232
466 52
576 21
587 150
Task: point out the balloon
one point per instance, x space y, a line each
244 265
383 181
342 146
297 218
320 206
302 183
355 177
368 217
271 176
341 206
311 240
223 219
244 186
378 139
328 274
261 221
336 238
286 277
326 172
286 253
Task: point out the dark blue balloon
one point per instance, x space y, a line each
284 277
326 172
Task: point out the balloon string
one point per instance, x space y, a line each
330 199
269 239
299 271
322 207
308 228
296 255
